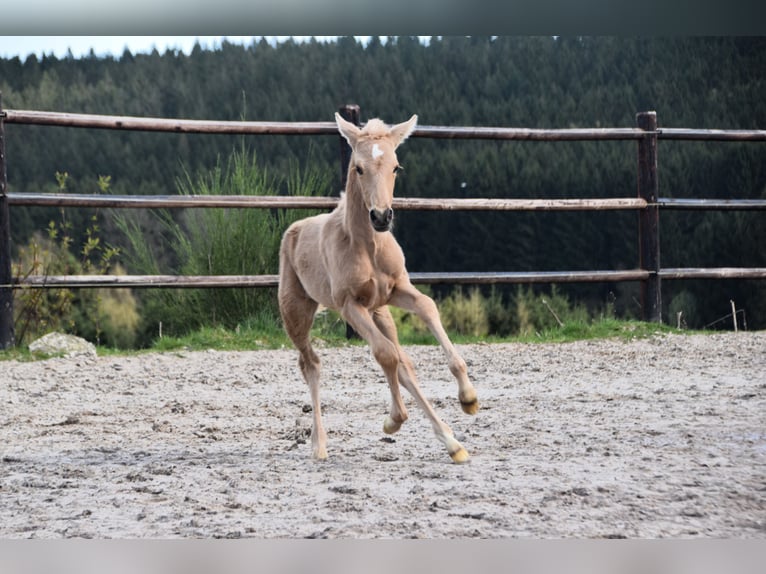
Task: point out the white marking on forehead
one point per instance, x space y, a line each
376 151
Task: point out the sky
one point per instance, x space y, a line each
22 46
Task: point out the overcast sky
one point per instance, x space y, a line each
22 46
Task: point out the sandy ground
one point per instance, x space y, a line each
664 437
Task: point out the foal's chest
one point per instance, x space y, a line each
373 287
376 291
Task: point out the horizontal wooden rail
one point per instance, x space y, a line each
711 135
132 123
303 202
712 204
461 278
713 273
170 201
204 281
34 117
139 281
490 278
406 203
527 134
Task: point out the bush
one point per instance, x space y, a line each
40 311
465 314
107 316
88 313
236 241
540 312
525 313
502 321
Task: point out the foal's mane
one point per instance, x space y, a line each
375 128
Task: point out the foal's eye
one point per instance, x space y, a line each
359 170
398 169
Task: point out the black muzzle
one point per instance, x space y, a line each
382 220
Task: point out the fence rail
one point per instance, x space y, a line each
647 203
405 203
292 202
33 117
473 278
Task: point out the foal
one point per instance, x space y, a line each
349 261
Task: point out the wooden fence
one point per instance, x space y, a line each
646 202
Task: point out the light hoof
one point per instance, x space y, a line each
390 426
319 454
460 456
470 408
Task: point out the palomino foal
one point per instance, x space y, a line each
349 261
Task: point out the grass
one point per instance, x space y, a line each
330 331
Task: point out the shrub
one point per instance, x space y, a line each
502 320
540 312
40 311
83 312
218 241
465 314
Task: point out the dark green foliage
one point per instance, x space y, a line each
535 82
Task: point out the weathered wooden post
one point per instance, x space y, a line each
350 113
649 218
6 293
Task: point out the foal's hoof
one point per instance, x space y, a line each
470 408
390 426
319 454
456 451
460 456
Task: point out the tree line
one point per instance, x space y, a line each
535 82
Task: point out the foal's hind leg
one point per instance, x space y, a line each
410 299
297 312
385 322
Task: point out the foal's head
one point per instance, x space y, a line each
374 165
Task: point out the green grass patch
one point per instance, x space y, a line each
599 329
330 331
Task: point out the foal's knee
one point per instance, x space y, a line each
427 307
386 355
308 362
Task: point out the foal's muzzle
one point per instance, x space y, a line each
382 220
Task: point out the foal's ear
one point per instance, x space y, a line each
347 130
401 132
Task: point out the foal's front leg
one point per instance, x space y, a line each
406 297
385 353
409 381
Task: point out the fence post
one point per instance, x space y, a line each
350 113
6 293
649 218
